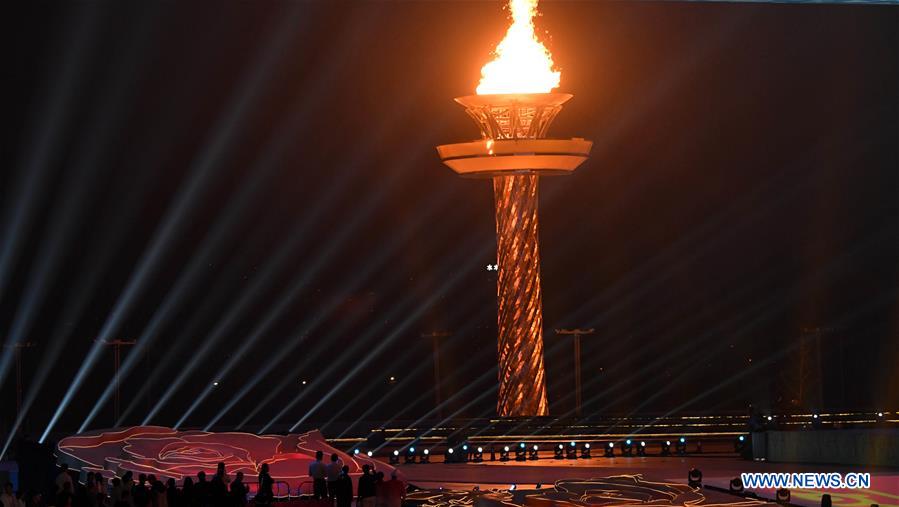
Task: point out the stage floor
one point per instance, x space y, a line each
717 471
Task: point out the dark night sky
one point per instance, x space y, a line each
744 184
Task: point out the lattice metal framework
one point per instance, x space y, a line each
522 376
514 116
514 152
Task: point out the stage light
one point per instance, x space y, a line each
521 453
395 458
355 452
425 456
512 488
736 486
571 452
627 449
666 447
610 450
532 453
559 451
479 455
681 446
740 443
585 450
770 418
410 455
641 449
694 478
783 496
215 383
880 415
370 454
504 454
391 380
303 382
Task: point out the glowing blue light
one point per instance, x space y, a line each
742 438
355 451
682 439
411 450
521 445
628 441
572 444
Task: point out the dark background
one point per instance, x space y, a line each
743 186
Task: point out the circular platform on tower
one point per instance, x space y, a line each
499 157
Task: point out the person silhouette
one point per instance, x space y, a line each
265 495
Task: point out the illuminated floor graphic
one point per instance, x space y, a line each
605 491
169 453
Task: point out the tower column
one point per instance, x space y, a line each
522 378
514 152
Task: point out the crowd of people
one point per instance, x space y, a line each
331 483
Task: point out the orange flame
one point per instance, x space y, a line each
522 63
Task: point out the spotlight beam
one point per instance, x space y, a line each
302 112
102 250
213 241
86 284
53 114
271 364
883 299
210 306
398 309
324 255
244 303
380 347
357 280
779 304
453 280
414 314
755 201
36 169
202 169
408 406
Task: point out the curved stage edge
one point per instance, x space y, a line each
169 453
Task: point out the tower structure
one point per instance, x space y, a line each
514 152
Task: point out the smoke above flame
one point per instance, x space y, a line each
522 63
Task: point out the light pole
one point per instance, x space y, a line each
117 348
435 345
576 333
